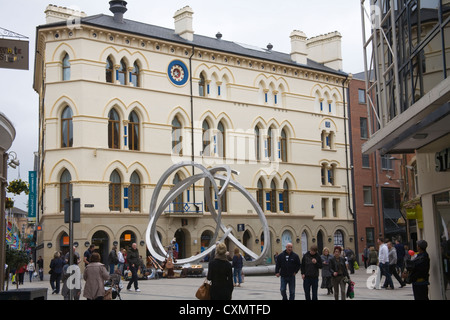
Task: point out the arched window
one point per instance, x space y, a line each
113 129
206 139
269 143
324 139
178 202
122 72
223 199
273 197
134 193
328 140
284 198
109 70
331 175
221 140
177 137
283 146
66 128
260 194
202 86
133 131
323 174
65 188
115 193
339 238
66 68
134 76
257 143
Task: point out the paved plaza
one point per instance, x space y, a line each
255 287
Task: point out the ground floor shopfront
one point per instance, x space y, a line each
434 188
192 233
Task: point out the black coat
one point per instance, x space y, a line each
308 268
287 264
221 276
334 266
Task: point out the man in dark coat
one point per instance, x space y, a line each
420 268
287 266
311 264
133 263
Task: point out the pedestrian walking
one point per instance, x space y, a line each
95 275
393 263
56 269
133 263
351 258
310 265
40 267
365 256
237 264
31 269
373 256
21 273
87 254
121 260
400 250
419 269
112 259
339 273
220 274
287 267
383 263
326 273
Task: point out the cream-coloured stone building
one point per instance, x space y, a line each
121 101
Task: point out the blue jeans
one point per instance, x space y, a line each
311 284
288 281
237 272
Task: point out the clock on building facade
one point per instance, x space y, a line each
178 73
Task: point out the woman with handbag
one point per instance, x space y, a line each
220 274
95 275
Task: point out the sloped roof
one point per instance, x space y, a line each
148 30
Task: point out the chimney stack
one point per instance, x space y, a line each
57 14
299 51
183 23
118 8
326 49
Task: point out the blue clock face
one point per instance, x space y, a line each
178 73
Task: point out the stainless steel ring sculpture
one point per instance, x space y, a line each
154 245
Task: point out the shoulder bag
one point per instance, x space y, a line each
203 291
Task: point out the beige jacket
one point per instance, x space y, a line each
95 274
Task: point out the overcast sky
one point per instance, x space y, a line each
254 22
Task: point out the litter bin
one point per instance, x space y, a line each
24 294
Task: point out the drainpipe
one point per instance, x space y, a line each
355 229
192 124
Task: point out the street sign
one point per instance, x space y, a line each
75 210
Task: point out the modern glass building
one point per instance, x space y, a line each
406 46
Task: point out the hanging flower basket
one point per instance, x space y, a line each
17 187
9 203
411 207
410 204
